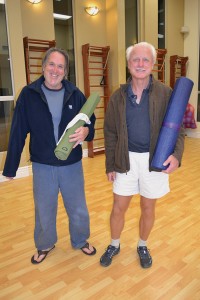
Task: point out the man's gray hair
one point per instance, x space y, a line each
130 49
61 51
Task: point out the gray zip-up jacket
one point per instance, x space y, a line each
115 127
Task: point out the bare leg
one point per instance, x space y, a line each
117 217
147 217
146 223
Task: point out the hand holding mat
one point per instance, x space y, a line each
172 122
64 147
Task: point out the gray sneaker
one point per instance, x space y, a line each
106 258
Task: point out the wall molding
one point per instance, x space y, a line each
27 170
21 172
191 133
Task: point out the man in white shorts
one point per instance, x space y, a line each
133 121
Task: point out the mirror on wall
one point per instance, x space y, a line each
64 34
161 24
5 70
131 25
6 88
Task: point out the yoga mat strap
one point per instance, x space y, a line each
171 125
64 147
80 116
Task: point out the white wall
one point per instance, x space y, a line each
87 29
115 35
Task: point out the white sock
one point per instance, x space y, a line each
142 243
115 243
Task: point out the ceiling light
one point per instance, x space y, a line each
61 17
92 11
35 1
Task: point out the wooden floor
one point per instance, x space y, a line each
69 274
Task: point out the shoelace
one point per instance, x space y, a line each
143 253
110 251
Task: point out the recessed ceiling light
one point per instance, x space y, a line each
61 17
35 1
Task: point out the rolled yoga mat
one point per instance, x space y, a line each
64 147
172 122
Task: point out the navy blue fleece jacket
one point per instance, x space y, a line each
32 116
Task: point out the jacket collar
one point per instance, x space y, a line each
123 87
36 85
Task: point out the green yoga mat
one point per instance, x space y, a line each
64 147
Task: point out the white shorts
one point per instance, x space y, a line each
139 180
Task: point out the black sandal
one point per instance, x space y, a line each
87 247
41 252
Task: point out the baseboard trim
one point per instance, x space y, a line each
27 170
192 134
85 152
21 172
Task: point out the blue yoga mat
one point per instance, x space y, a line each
172 122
